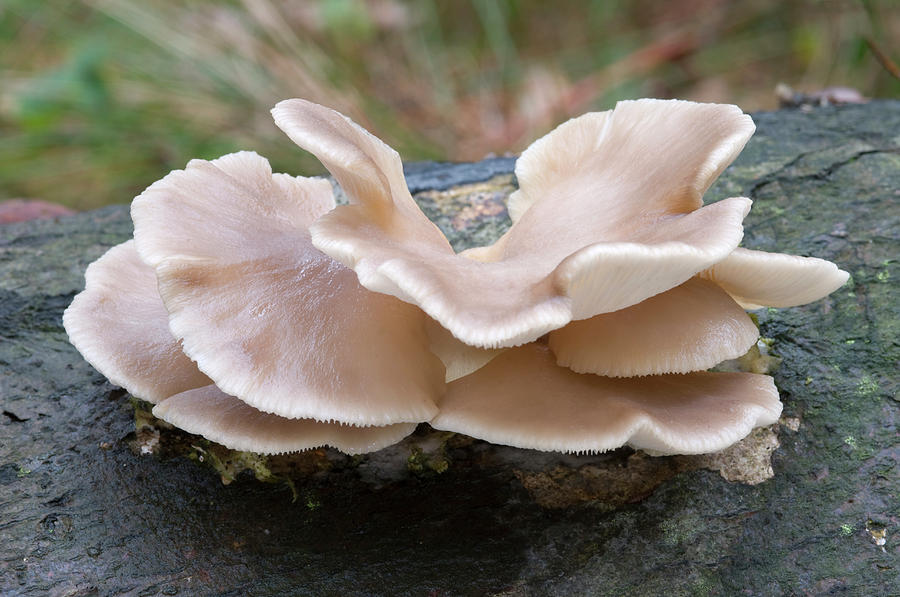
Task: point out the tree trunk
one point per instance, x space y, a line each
91 504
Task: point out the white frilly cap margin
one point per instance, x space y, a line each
224 419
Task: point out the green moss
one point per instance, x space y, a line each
439 465
754 318
867 386
311 501
681 530
704 585
759 359
421 462
143 415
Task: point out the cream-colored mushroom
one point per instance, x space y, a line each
224 419
120 326
268 317
759 279
523 398
233 275
609 213
692 327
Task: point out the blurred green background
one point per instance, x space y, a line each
99 98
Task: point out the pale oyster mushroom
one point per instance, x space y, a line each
607 381
267 316
611 251
698 324
692 327
121 325
609 213
759 279
523 398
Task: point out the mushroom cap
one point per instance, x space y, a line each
759 279
524 399
691 327
618 218
120 326
268 317
226 420
701 140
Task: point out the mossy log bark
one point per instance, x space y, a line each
84 512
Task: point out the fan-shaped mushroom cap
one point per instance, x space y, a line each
680 146
691 327
120 326
523 398
224 419
267 316
759 279
614 226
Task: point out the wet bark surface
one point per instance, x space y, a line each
84 512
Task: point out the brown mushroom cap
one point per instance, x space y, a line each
268 317
691 327
523 398
120 326
615 226
759 279
224 419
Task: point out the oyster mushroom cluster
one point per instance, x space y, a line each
251 310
